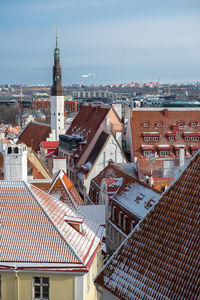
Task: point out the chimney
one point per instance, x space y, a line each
108 125
165 112
149 180
181 158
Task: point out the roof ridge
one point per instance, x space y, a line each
53 223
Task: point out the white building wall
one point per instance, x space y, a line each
57 115
112 152
58 164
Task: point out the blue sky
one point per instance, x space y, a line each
117 40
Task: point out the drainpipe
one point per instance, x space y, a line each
17 284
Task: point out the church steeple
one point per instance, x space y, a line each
57 88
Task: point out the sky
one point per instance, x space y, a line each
115 41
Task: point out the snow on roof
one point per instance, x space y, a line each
137 199
34 230
94 212
160 257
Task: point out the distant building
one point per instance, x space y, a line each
155 137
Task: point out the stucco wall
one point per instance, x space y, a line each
110 151
61 286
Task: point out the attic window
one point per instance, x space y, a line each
193 124
159 124
76 223
181 124
145 124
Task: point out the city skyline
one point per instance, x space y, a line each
116 41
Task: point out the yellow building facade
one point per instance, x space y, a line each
19 285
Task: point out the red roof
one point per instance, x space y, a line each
35 234
63 189
33 134
49 144
170 121
86 123
160 258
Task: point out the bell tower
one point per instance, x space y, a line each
57 97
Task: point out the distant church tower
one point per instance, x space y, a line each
15 162
57 98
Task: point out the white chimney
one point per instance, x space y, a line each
15 162
181 158
108 125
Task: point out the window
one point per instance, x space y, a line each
171 138
147 152
193 124
124 222
113 212
159 124
132 225
120 218
187 138
155 138
147 138
41 288
146 124
181 124
59 114
16 150
194 138
164 153
9 150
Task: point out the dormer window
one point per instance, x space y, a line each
181 124
76 223
193 124
146 124
159 124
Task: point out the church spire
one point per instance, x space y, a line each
57 89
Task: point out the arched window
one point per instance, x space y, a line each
9 150
16 150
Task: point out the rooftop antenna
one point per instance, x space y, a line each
56 37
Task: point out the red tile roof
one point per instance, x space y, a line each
33 134
170 120
160 258
35 234
86 123
63 189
